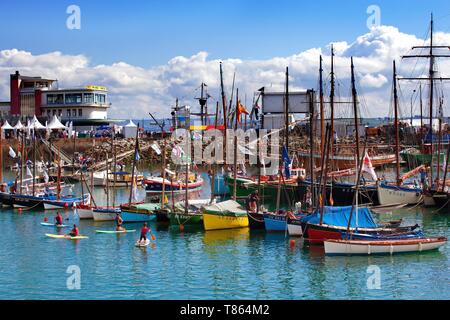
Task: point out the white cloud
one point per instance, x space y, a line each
134 91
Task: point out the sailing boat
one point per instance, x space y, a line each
397 193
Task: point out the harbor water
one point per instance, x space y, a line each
194 264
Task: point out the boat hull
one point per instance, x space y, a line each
352 247
275 223
394 195
256 221
129 216
218 222
185 219
85 213
295 228
104 214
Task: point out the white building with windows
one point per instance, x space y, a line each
76 104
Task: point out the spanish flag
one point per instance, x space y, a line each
239 110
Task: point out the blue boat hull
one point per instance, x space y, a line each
275 223
137 217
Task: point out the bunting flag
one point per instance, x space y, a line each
29 174
368 167
156 148
134 190
12 154
46 178
137 157
240 109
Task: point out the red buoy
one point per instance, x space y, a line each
66 205
292 243
45 219
181 227
20 210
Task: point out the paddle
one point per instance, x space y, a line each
153 237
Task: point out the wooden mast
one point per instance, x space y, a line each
136 147
438 169
114 151
58 183
397 142
311 142
224 106
421 113
322 113
163 175
332 102
324 171
355 112
431 75
235 147
34 162
286 113
213 164
107 180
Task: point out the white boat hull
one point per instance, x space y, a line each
382 247
103 216
295 230
390 195
85 213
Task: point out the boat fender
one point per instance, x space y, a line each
292 243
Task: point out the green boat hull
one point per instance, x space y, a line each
417 159
268 193
183 219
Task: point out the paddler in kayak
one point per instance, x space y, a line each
58 219
119 222
74 232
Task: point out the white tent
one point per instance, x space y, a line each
35 124
129 130
7 126
18 125
55 124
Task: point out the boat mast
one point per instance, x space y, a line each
224 106
324 171
186 181
235 147
332 102
397 159
438 169
22 151
1 160
431 75
446 168
421 112
58 183
355 112
136 147
107 181
34 162
114 151
322 113
311 142
286 112
163 175
213 163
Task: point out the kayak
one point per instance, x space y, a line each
114 231
47 224
62 236
142 244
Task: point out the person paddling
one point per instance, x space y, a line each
74 232
119 222
144 232
58 219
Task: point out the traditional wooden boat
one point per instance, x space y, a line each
154 185
335 224
358 247
65 202
84 211
123 179
392 194
442 201
224 215
341 193
294 227
344 162
139 212
256 220
414 157
193 216
6 199
105 213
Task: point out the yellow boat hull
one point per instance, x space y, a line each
219 222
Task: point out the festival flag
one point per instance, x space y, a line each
12 154
368 167
240 109
156 148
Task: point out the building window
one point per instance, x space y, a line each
55 98
88 98
74 112
73 98
80 112
60 112
54 112
48 113
100 98
68 113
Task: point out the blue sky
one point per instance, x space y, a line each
149 33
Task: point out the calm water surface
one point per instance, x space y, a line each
233 264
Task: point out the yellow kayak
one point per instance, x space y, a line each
63 236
